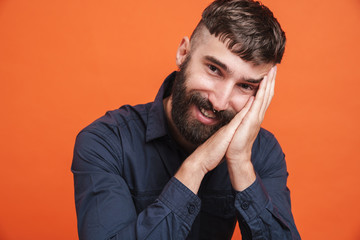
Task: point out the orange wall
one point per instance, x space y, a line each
64 63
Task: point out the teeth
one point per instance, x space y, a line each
208 114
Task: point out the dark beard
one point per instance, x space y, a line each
191 129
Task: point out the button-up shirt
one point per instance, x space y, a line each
124 165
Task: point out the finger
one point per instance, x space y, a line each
226 133
259 98
266 92
272 89
269 91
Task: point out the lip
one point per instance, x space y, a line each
202 118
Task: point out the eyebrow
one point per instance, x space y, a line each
225 67
253 80
217 62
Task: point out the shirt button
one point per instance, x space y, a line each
245 205
191 208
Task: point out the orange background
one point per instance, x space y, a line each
64 63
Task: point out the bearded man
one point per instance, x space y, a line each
195 161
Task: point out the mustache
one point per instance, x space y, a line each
224 116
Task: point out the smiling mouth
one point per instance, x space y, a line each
207 113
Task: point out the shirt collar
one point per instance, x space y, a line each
157 122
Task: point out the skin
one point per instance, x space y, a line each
229 83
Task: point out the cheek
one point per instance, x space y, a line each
200 83
239 102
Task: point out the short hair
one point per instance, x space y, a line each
249 29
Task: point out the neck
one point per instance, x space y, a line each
184 144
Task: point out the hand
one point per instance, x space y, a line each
207 156
211 152
238 154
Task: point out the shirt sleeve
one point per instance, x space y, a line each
104 205
264 209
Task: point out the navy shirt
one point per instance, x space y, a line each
123 168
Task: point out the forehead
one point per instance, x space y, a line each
207 45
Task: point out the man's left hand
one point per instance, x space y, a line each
238 154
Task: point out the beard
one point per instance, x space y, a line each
190 128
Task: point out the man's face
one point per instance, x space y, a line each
213 84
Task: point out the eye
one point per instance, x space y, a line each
213 69
246 86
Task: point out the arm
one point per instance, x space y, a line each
264 208
104 205
263 205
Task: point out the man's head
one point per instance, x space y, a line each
247 27
232 48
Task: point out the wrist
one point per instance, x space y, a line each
239 160
242 175
191 174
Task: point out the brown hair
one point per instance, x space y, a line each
249 29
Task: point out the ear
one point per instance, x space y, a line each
183 51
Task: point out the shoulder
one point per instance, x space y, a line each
118 122
121 118
266 135
267 154
265 140
101 142
108 130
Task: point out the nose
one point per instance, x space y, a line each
220 95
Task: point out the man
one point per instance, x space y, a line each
195 161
